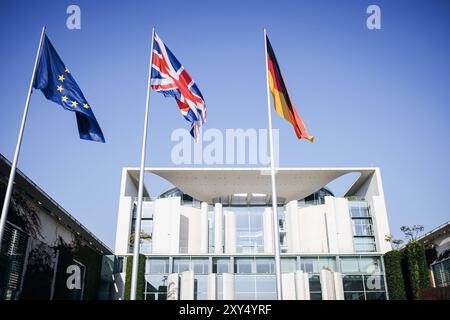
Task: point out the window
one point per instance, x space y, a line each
314 287
200 266
364 244
309 265
370 265
362 227
441 273
255 287
265 265
156 265
349 265
221 265
180 265
155 287
374 283
243 265
359 209
249 229
288 265
353 283
148 208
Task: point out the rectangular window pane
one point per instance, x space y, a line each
370 265
244 284
349 265
265 284
374 283
376 295
354 295
314 283
221 265
200 266
309 265
288 265
243 265
155 265
353 283
364 244
180 265
265 266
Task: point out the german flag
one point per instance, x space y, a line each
282 102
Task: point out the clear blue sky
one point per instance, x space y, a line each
371 98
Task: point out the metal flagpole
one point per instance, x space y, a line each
276 233
137 229
12 173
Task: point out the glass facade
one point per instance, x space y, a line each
254 272
249 228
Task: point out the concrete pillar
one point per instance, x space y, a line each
204 228
218 228
330 218
292 227
166 226
327 285
288 286
228 286
172 286
187 285
338 286
302 285
212 291
267 230
230 232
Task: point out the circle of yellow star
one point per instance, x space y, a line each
74 103
61 78
59 88
85 105
64 99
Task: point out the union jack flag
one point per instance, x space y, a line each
169 77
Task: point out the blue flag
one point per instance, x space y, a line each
54 79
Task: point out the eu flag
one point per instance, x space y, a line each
56 82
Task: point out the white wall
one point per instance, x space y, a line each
166 226
127 191
218 228
339 225
312 229
268 231
228 286
230 232
302 285
187 285
292 227
193 230
288 286
212 287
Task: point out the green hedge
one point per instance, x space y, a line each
416 267
140 280
394 275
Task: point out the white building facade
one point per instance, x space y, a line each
210 236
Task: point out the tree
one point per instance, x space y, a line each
396 242
412 233
144 236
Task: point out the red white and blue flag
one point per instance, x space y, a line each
169 77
